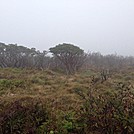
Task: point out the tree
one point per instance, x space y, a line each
71 56
13 55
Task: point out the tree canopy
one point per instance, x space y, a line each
70 55
66 49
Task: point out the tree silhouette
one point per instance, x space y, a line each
71 56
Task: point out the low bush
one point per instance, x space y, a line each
109 114
23 116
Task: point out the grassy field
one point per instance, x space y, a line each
47 102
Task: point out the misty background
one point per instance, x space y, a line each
105 26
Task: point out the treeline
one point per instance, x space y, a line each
111 61
16 56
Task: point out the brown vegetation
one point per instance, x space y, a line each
35 101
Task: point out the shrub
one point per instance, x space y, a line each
13 84
5 83
109 114
23 116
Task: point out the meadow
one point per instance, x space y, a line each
36 101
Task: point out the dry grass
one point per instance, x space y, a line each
58 91
58 88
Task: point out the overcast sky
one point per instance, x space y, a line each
105 26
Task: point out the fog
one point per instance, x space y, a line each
105 26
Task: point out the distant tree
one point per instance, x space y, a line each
72 57
13 55
2 55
